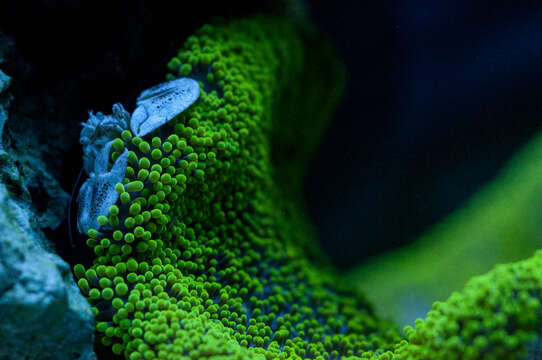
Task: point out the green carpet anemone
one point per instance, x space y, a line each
201 247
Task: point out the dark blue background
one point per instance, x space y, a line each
440 94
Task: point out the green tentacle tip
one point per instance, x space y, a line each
125 197
134 186
126 135
119 188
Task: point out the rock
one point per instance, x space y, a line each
42 313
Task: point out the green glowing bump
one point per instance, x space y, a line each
205 254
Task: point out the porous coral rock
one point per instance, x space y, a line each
42 314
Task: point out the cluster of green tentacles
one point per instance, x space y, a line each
207 253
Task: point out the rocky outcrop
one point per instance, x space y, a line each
42 313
